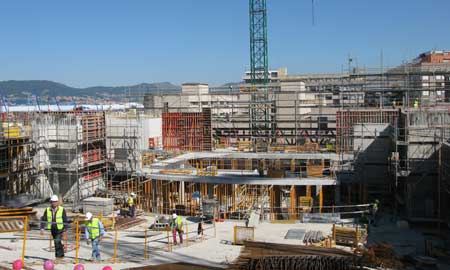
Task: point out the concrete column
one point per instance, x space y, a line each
181 197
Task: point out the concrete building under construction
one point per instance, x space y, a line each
332 140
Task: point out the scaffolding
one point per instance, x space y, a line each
418 168
75 145
16 157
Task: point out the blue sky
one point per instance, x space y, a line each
111 42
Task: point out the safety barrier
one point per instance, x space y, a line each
272 213
117 245
128 245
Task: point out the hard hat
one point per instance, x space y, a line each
54 198
174 215
88 216
132 194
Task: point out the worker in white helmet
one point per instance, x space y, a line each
131 204
94 232
54 220
176 224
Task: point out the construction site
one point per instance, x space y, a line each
306 171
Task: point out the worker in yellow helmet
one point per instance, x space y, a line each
54 220
131 204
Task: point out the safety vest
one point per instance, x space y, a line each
93 228
176 224
130 201
58 218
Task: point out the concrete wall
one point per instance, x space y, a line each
373 145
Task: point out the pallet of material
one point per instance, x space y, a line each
160 227
348 236
98 206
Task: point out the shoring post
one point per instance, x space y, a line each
187 234
356 236
77 241
334 232
320 199
202 230
115 246
25 228
113 221
65 241
145 245
168 241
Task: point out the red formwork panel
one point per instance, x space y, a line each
93 155
187 131
346 119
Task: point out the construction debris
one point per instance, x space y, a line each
381 255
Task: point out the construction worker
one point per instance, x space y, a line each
54 220
94 232
176 224
200 227
416 103
374 211
131 204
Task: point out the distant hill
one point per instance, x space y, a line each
50 88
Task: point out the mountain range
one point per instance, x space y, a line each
22 89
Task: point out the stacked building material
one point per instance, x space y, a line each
98 206
128 222
260 255
313 237
25 211
348 236
10 218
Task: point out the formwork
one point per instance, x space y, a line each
280 201
187 131
347 119
233 200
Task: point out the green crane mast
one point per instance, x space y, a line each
260 105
